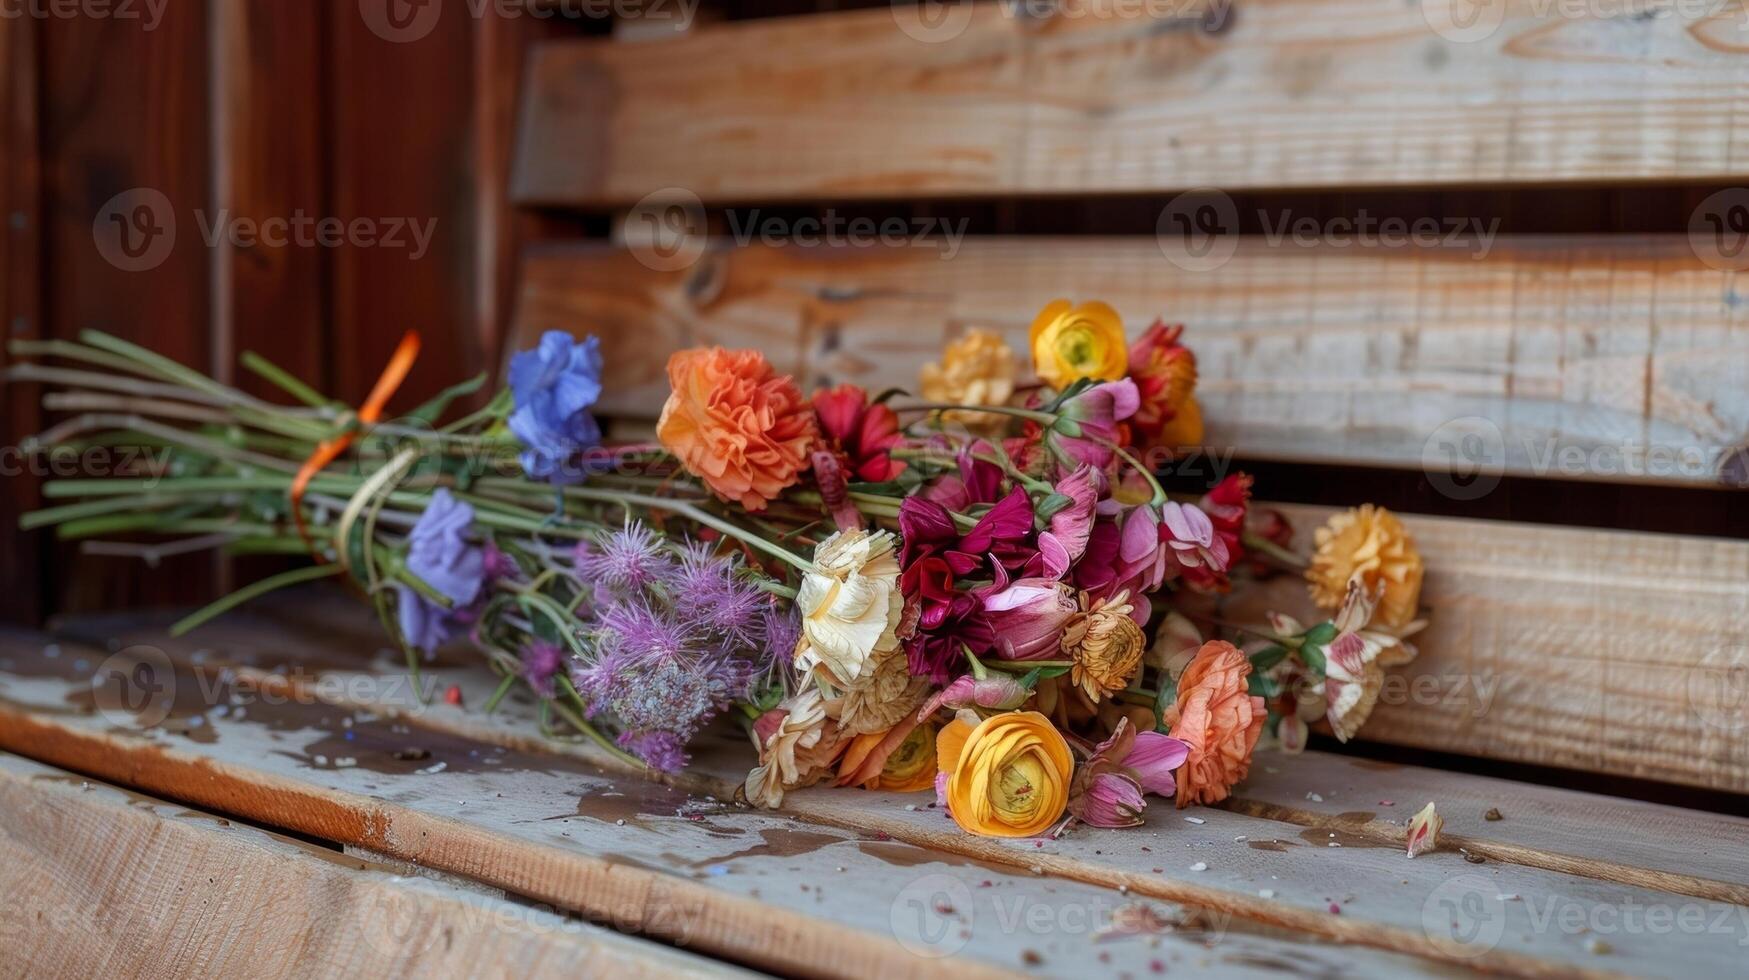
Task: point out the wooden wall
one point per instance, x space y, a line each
260 109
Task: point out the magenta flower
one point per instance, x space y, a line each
1154 758
1028 617
1107 788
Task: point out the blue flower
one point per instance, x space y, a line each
553 387
440 554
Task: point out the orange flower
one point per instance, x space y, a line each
1008 777
1218 719
1369 543
1164 371
736 424
899 760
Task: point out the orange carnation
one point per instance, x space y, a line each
1219 719
736 424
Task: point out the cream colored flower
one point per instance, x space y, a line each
976 369
1372 543
850 605
1356 659
796 749
1105 644
889 694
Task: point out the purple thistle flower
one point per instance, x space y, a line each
628 558
639 631
662 751
783 630
540 663
441 555
708 594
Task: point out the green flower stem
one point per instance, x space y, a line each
93 508
156 523
283 380
1026 666
1276 552
1043 418
575 718
498 695
254 589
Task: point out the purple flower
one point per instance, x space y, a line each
662 751
783 631
440 554
553 386
708 593
641 632
540 663
626 559
1028 617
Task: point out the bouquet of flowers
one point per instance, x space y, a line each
972 591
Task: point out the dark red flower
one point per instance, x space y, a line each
861 434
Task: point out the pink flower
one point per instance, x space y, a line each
1065 541
998 692
1112 800
1028 617
1087 422
1153 760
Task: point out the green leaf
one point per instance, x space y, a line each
1268 657
1263 685
1312 647
433 409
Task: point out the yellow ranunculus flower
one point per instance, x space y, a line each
1009 777
1073 342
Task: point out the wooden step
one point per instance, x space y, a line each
982 99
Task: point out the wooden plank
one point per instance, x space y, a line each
1565 357
1603 651
755 887
1381 900
101 881
1106 96
1579 833
1664 847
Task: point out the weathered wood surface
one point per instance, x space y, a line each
1616 359
1596 650
104 882
1382 899
976 99
817 898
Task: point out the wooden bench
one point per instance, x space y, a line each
294 802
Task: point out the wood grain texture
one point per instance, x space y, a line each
817 898
1298 892
100 881
1664 847
1595 650
1105 96
1563 357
